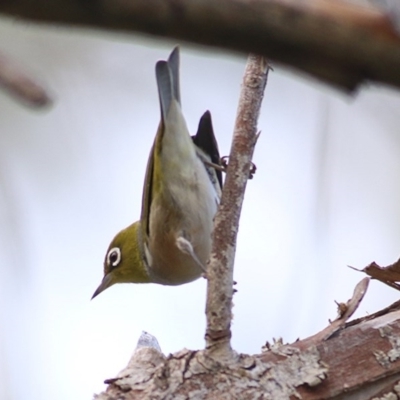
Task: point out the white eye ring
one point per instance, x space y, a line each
114 257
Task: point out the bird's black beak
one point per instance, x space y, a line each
105 283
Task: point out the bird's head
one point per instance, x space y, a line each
124 260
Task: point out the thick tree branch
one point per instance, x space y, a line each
220 267
361 361
339 43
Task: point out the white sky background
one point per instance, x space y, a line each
326 194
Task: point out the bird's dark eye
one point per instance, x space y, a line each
114 257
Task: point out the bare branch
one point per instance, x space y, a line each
220 267
21 86
340 43
345 311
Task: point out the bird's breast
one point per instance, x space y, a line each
184 207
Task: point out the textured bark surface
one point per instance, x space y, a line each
335 41
220 266
361 361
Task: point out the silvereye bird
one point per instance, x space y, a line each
171 243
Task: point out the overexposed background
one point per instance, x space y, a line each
326 195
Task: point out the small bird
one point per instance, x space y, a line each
171 242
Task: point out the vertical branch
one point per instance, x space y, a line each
220 267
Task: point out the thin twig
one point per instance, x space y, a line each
345 311
19 85
220 267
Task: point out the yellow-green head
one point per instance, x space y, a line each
124 261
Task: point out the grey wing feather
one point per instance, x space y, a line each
164 84
167 74
173 62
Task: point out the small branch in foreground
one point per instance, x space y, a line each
220 267
21 86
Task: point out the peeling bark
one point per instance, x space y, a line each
359 362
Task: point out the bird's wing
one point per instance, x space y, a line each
167 74
205 140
